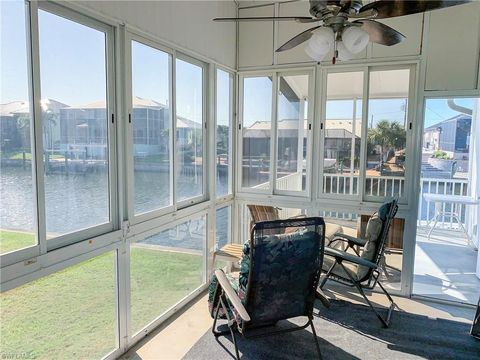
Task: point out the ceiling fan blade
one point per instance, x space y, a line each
392 8
297 40
381 33
300 19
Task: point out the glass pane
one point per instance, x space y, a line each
387 136
151 127
70 314
257 124
343 133
164 268
75 125
224 132
447 235
17 213
223 227
189 130
292 132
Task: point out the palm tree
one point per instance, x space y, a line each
389 135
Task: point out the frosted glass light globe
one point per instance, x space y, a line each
322 40
343 53
355 39
313 53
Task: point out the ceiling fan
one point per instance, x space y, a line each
347 26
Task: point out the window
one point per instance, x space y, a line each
70 314
387 136
256 132
292 130
189 130
365 133
343 133
17 183
223 227
224 104
75 124
165 268
151 118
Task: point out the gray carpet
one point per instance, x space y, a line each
348 331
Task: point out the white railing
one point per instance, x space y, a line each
290 182
384 186
426 210
347 184
342 184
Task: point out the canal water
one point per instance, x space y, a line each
78 201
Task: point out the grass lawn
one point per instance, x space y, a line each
71 314
13 240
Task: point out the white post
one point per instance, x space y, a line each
301 134
352 150
473 214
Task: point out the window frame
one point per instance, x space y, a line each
33 61
230 190
275 74
310 73
151 214
205 94
409 130
36 138
108 30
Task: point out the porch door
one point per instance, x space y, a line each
446 253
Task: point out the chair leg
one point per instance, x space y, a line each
385 322
317 345
327 275
392 303
231 324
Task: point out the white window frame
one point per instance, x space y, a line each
275 75
43 245
229 195
309 132
409 129
151 214
93 231
205 94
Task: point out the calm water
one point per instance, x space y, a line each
76 201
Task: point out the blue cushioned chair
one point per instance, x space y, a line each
279 274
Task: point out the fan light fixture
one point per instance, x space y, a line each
353 40
347 26
320 43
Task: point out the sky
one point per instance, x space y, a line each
72 66
72 71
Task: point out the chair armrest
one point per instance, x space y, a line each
344 256
231 294
345 237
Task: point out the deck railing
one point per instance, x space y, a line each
426 210
384 186
347 184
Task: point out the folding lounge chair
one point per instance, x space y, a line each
361 269
278 278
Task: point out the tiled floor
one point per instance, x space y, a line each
445 267
173 341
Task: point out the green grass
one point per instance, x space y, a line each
13 240
71 314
